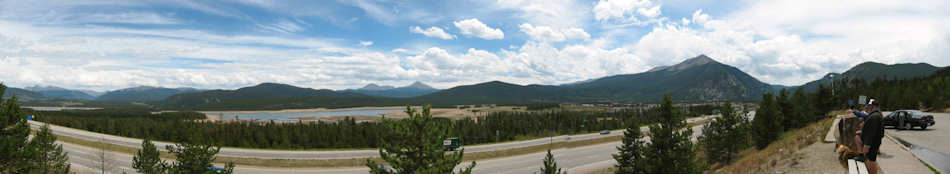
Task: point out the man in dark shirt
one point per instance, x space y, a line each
871 136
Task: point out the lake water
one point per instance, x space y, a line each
290 115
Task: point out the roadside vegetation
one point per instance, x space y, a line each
669 150
193 156
754 160
415 146
723 140
21 154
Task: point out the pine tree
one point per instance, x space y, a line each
630 158
823 102
670 149
800 109
414 145
13 136
725 136
195 156
18 154
785 107
49 156
766 126
550 165
147 160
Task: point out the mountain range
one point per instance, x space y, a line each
413 90
261 91
24 95
696 79
868 71
63 93
143 93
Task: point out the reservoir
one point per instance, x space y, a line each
283 115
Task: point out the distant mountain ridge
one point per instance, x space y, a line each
868 71
24 95
696 79
374 87
261 91
144 93
699 79
413 90
62 93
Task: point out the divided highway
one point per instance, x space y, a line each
574 159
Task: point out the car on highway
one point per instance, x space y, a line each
452 143
605 132
908 119
216 169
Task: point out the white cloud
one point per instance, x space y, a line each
652 12
625 11
366 43
435 32
575 33
793 42
283 26
549 34
541 62
400 50
556 13
474 27
699 17
543 33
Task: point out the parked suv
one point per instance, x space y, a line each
908 119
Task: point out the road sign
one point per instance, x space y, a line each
863 100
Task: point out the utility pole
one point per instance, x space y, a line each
832 85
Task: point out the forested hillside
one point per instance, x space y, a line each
868 71
24 95
143 93
262 96
926 93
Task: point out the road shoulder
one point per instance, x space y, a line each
895 158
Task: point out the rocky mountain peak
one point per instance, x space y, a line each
419 85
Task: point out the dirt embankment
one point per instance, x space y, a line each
798 151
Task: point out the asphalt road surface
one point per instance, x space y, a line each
573 159
935 139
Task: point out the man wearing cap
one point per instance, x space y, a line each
863 113
871 135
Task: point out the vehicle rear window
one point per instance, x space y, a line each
916 114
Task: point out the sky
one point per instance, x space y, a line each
108 45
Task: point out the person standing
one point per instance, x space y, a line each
871 135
